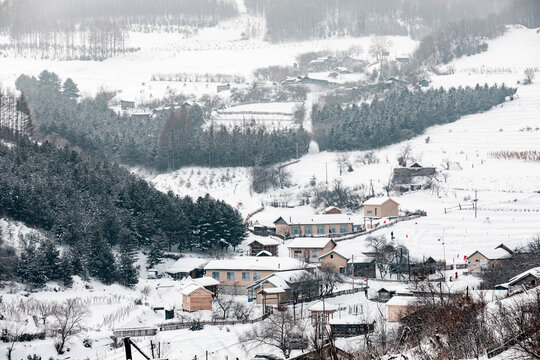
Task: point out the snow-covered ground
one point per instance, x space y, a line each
508 190
220 49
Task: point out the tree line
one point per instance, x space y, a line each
184 142
399 115
96 30
301 19
172 139
93 206
15 117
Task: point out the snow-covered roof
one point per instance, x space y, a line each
349 253
276 290
401 288
378 200
282 278
534 272
187 264
206 281
265 241
326 306
263 253
494 254
309 243
317 219
255 263
191 288
330 208
278 282
401 301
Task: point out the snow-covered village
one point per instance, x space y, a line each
269 179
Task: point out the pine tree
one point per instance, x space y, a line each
101 262
49 259
29 269
70 89
157 244
66 270
128 275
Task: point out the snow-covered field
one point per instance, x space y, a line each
219 49
277 115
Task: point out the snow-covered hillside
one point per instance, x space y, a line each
219 49
508 190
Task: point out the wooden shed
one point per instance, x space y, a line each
195 297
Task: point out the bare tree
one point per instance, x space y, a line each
343 162
384 253
225 304
12 335
69 317
518 322
529 75
379 49
241 311
276 331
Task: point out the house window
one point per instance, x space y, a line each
296 230
315 254
331 256
246 276
252 293
230 275
215 275
342 270
332 229
257 276
320 229
307 230
297 254
369 212
375 211
343 228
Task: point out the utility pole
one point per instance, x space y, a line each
371 188
326 169
352 260
475 202
127 346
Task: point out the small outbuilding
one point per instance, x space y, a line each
195 297
400 306
322 310
480 260
265 244
381 207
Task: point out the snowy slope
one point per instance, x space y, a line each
508 189
218 49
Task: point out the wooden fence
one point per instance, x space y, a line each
388 224
187 324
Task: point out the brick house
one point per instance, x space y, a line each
310 249
381 207
400 306
314 225
243 271
346 261
480 260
